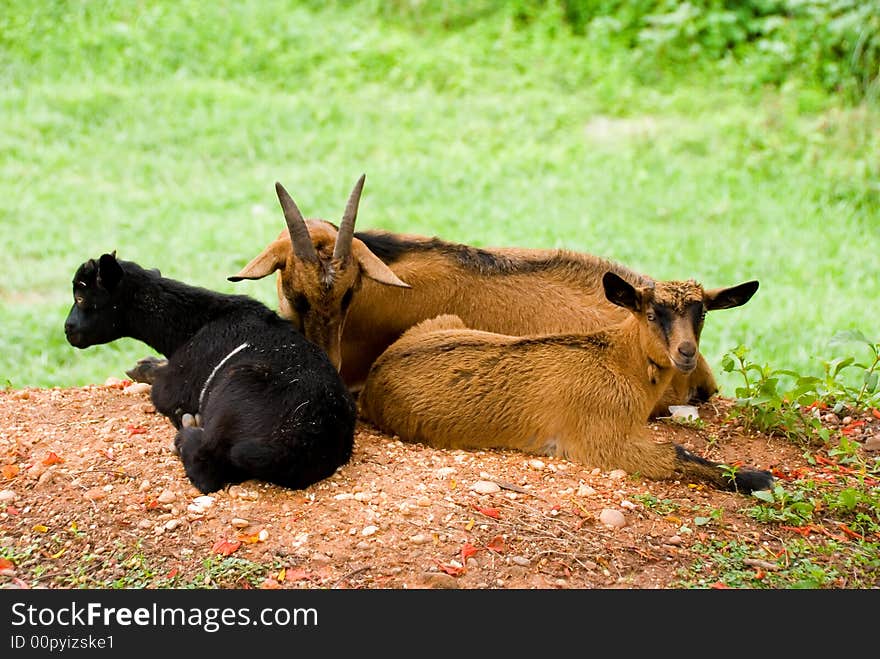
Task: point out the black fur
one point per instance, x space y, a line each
390 248
745 480
277 410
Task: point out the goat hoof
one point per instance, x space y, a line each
189 421
198 420
147 369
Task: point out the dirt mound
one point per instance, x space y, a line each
93 497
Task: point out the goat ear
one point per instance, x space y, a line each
273 258
727 298
373 267
621 292
109 271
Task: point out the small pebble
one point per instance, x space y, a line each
617 474
239 523
520 560
629 505
137 388
144 486
263 535
419 539
172 524
612 518
344 496
585 491
424 502
204 501
363 544
369 530
536 464
167 496
95 494
872 443
445 472
674 540
485 487
363 496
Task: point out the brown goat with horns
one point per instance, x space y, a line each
580 396
349 292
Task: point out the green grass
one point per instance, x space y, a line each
159 130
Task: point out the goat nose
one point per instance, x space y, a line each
687 349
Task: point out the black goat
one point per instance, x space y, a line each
249 395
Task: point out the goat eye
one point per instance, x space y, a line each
651 316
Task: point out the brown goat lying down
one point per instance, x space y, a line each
584 397
354 294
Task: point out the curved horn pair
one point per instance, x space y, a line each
299 233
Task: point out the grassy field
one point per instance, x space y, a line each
159 129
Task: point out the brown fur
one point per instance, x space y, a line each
580 396
512 291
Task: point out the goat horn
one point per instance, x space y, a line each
342 248
296 225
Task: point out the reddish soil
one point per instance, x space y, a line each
95 498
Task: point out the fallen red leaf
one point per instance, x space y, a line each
10 471
224 547
875 412
720 585
759 573
453 570
848 428
172 573
494 513
135 430
52 459
852 534
497 545
6 564
467 551
12 510
152 504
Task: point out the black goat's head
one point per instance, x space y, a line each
96 315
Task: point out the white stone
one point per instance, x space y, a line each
196 510
629 505
363 496
617 474
344 496
536 464
7 496
238 522
520 560
369 530
137 388
172 524
204 501
263 535
585 491
167 496
419 539
485 487
674 540
612 518
444 472
687 412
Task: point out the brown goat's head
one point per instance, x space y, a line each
319 270
673 312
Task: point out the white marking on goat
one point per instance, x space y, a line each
234 352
